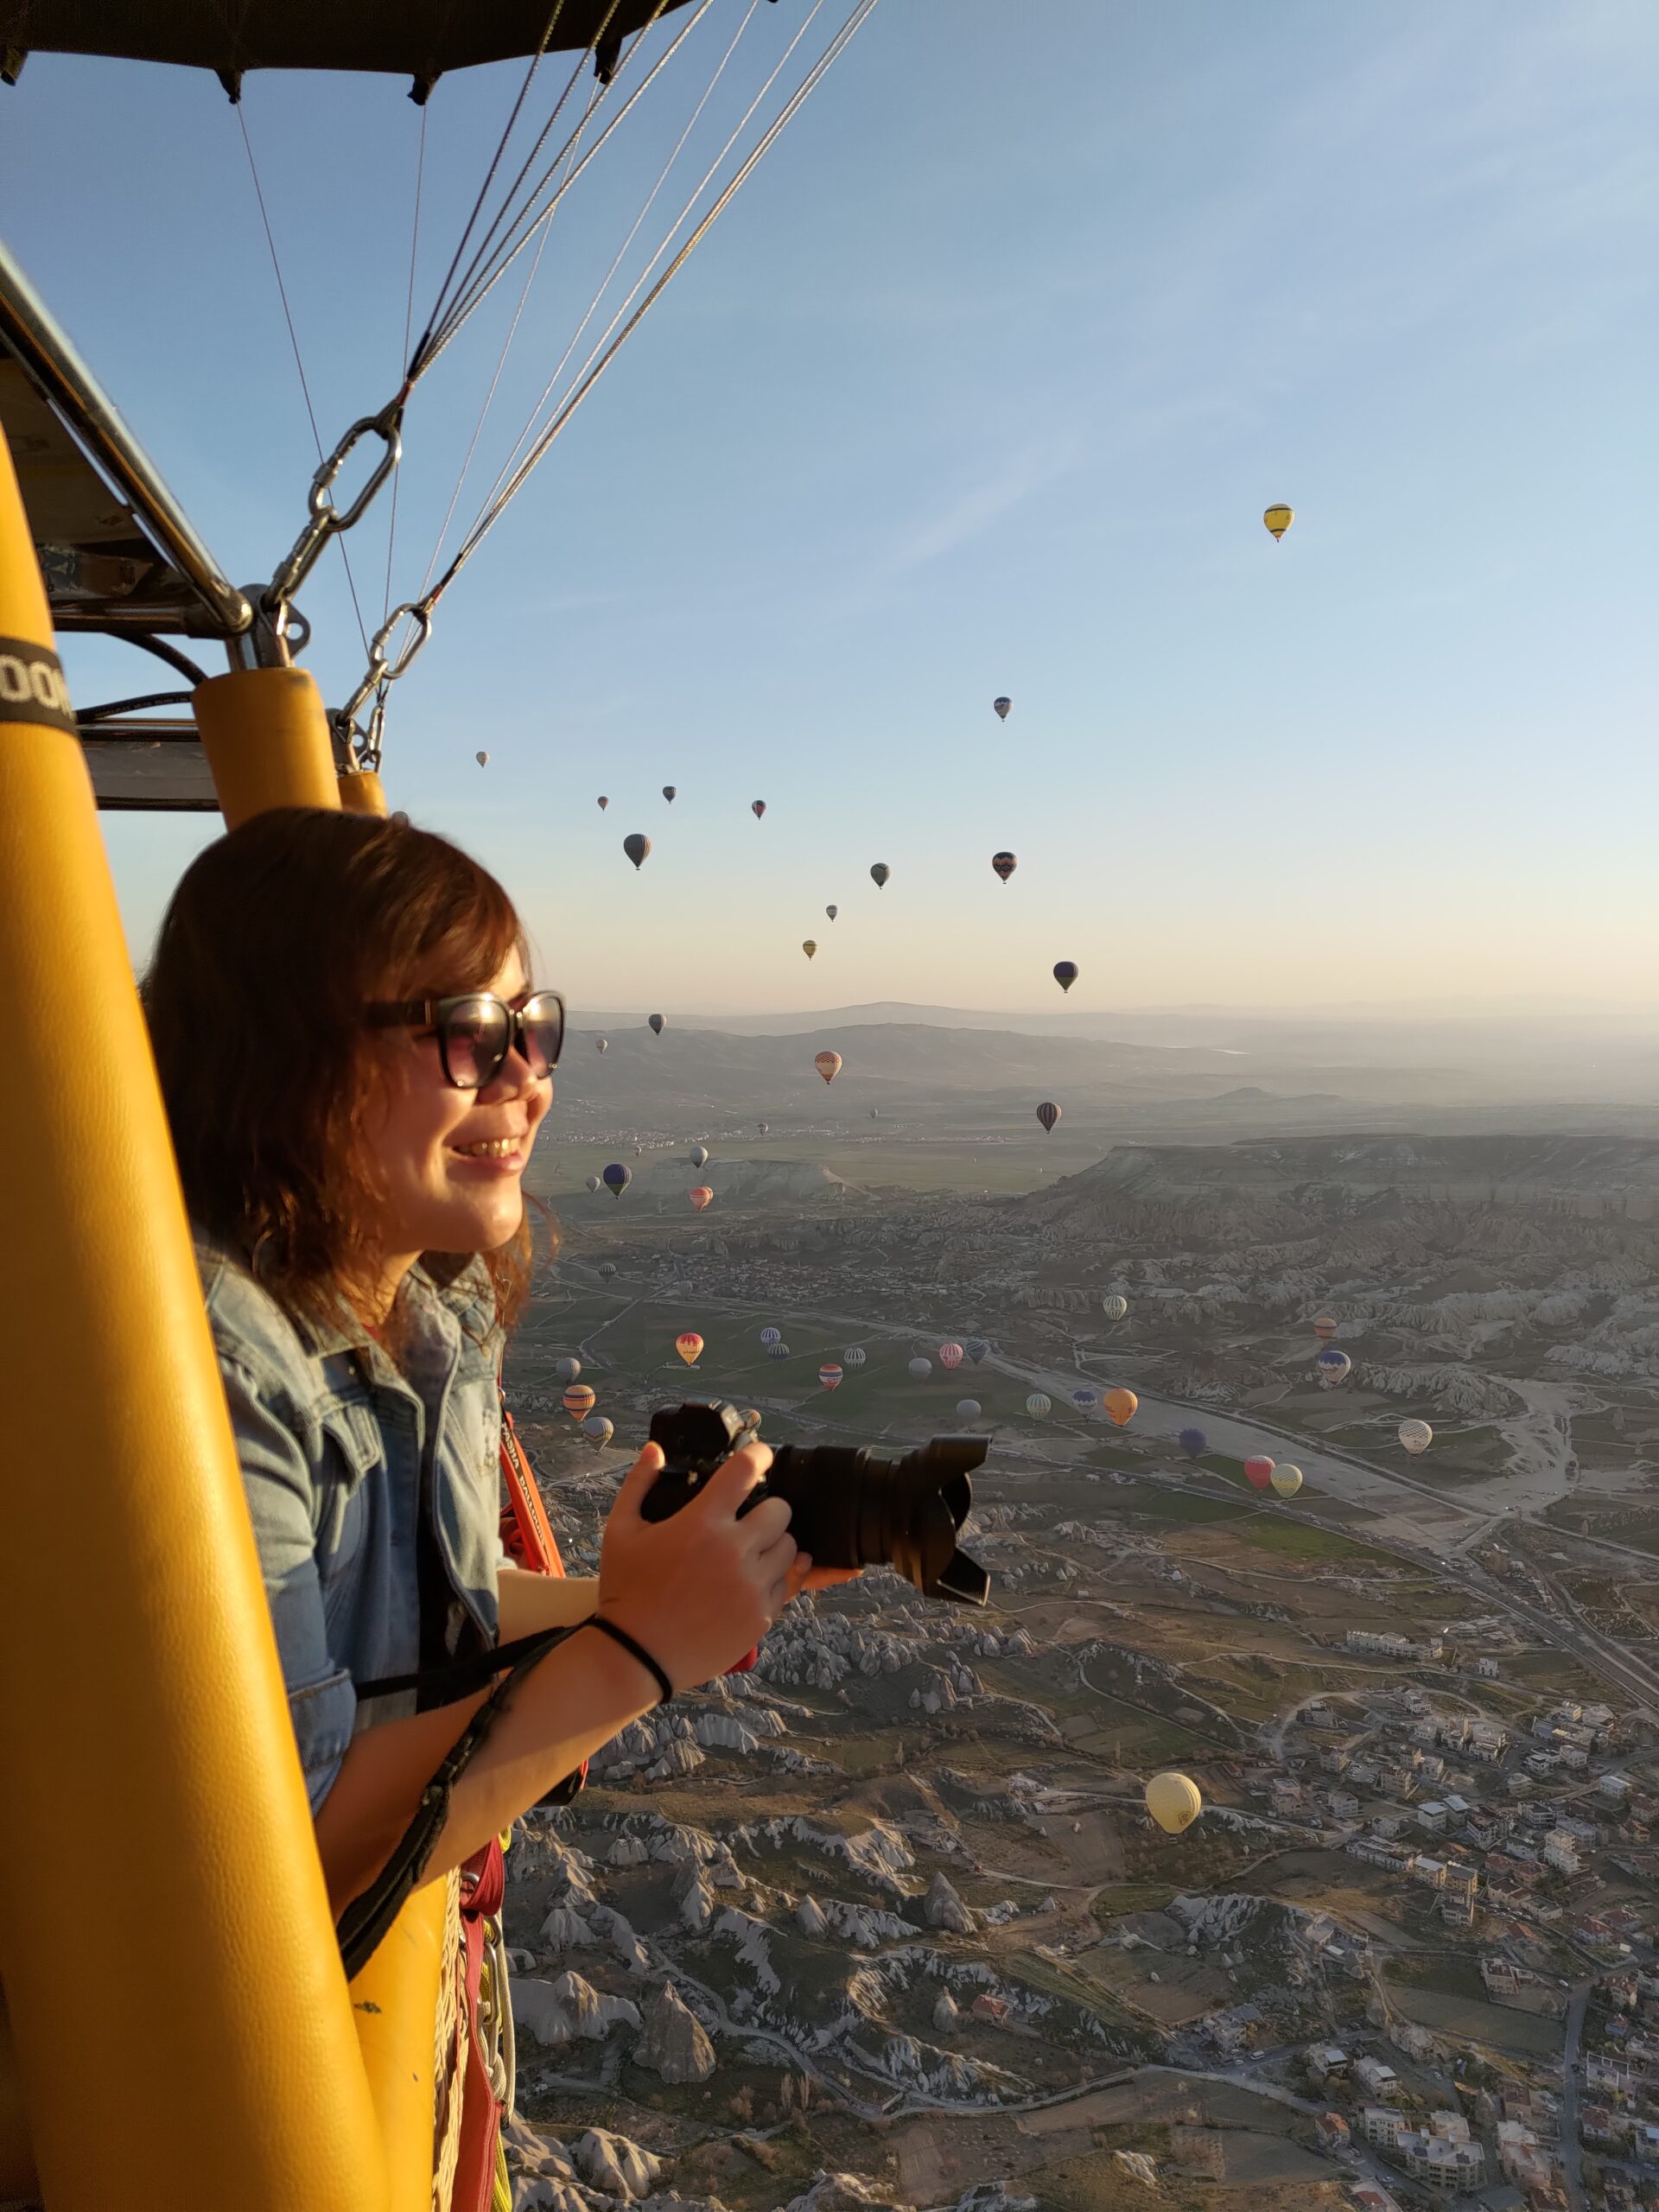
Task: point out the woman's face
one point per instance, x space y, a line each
446 1184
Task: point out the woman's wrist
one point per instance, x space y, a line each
642 1656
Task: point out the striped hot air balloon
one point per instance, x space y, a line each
1325 1328
950 1355
1038 1405
578 1402
701 1196
853 1356
829 1375
771 1336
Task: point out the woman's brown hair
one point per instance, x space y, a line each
276 937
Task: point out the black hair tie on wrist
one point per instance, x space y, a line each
633 1645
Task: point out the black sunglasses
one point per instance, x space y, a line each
476 1031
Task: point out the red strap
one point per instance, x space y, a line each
535 1547
483 1885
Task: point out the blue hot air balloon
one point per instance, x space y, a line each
638 848
1193 1442
1085 1399
1334 1366
617 1177
1065 973
771 1336
976 1348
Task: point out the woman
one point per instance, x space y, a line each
356 1059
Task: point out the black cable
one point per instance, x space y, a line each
111 707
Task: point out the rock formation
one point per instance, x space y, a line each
674 2043
945 1909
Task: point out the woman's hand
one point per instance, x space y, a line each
702 1587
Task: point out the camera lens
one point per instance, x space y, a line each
851 1508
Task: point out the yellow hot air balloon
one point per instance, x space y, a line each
809 946
1120 1405
1287 1480
1279 519
1174 1802
689 1344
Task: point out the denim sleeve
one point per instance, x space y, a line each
277 1478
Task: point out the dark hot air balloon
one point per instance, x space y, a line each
671 792
603 803
656 1023
1065 973
699 1155
1005 864
638 848
482 758
809 946
617 1177
757 808
880 873
1048 1113
1002 706
1193 1442
832 911
976 1348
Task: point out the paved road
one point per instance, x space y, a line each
1571 2156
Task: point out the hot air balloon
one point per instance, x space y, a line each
1000 708
1114 1306
853 1356
671 792
976 1348
1122 1405
482 758
950 1355
617 1177
638 848
603 803
809 946
777 1352
1048 1113
1065 973
757 808
1325 1328
699 1155
921 1368
601 1430
607 1270
829 1375
1258 1471
689 1344
1039 1406
875 1112
568 1370
601 1044
1334 1366
1416 1436
969 1410
656 1023
1174 1802
832 911
592 1182
1279 519
700 1196
1286 1480
880 873
828 1065
1085 1399
765 1128
578 1401
1005 864
1193 1442
770 1336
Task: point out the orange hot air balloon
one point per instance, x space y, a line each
578 1401
1325 1328
828 1065
1122 1405
701 1196
689 1344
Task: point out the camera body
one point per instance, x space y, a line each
848 1507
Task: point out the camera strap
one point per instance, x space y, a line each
367 1919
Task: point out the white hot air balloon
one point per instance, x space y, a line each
1416 1436
1114 1307
1038 1405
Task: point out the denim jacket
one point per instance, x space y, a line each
335 1442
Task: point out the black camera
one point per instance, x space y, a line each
847 1506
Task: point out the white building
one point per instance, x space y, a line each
1373 2074
1615 1788
1561 1852
1382 2125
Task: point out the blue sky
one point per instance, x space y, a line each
980 386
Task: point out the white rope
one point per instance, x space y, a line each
604 282
613 340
